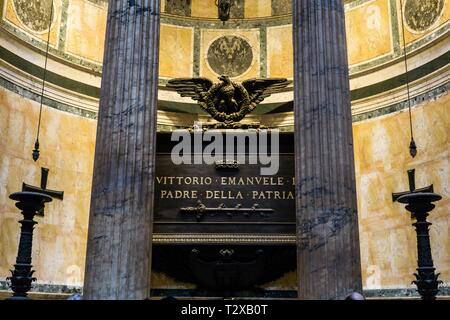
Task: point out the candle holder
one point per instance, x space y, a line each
30 203
420 202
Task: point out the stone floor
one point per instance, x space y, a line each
64 296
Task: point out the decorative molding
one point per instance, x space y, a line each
238 238
63 26
46 101
415 101
422 98
47 288
351 4
395 32
263 51
196 53
399 81
52 77
94 92
370 294
444 291
210 23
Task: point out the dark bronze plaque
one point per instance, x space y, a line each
230 55
420 15
197 198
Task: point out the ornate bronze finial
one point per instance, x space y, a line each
224 7
35 153
228 102
412 148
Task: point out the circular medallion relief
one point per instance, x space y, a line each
34 14
420 15
230 55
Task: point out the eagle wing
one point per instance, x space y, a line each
259 89
195 88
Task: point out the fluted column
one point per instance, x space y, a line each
118 264
328 245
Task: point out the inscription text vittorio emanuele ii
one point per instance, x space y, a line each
224 179
168 187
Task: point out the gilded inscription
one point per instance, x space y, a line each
171 183
197 192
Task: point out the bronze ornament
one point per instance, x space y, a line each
228 102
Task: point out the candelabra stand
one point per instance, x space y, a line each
30 203
420 202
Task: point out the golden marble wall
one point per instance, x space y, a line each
203 8
176 51
280 52
388 241
67 149
83 16
257 8
368 31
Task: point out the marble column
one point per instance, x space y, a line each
118 262
328 246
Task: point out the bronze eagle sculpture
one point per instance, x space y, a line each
227 101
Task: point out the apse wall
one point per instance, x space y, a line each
388 241
193 44
67 148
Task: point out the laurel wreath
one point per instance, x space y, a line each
246 106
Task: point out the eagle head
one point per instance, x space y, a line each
225 79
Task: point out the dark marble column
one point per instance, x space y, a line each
118 263
328 245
